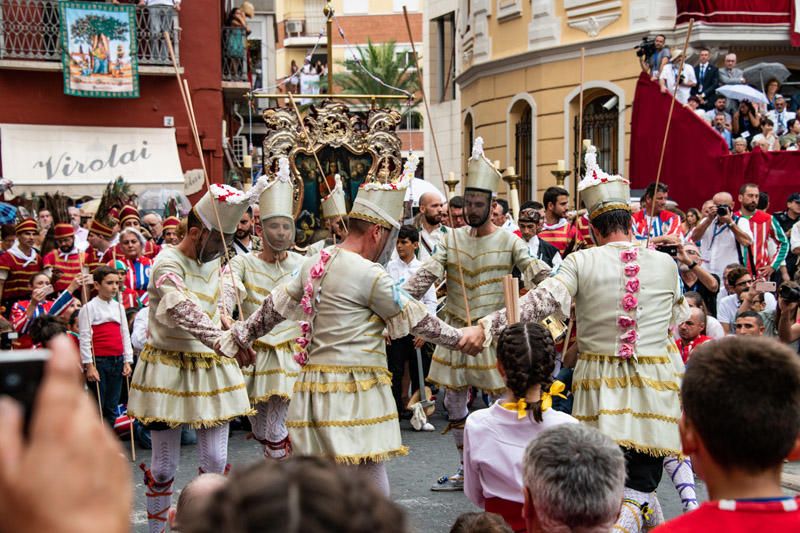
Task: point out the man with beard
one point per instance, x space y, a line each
342 406
556 229
485 255
431 230
244 241
179 380
271 379
765 228
63 263
19 264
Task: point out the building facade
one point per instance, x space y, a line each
518 70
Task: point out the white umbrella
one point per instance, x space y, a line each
419 187
761 73
742 92
154 200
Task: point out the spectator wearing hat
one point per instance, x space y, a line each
169 234
671 75
63 264
99 239
19 264
129 218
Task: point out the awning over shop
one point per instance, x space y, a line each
85 159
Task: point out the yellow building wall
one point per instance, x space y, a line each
488 99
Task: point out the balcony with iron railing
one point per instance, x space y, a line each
30 36
234 57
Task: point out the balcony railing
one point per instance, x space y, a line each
234 54
29 30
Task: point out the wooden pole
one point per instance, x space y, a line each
84 299
183 85
133 444
580 130
666 129
438 161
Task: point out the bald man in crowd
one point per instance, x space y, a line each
722 236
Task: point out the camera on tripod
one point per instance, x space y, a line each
646 48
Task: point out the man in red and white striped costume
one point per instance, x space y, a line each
765 228
556 229
63 264
663 227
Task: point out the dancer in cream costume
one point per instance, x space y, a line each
179 379
342 404
271 379
485 255
334 213
627 378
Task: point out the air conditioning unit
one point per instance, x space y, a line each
295 27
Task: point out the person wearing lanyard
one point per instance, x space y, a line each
722 238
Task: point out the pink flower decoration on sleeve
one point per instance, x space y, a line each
301 358
317 270
305 327
625 322
302 341
305 303
631 270
324 256
625 351
631 336
632 286
629 302
629 255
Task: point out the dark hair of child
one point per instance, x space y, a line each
408 232
101 272
528 354
742 395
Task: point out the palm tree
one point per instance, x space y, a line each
382 61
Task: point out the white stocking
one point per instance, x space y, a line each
456 403
680 471
640 511
269 427
377 474
164 460
212 444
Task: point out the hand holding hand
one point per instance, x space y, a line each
246 357
472 340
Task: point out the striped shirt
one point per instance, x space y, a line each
22 323
68 264
765 227
16 276
584 235
665 223
562 235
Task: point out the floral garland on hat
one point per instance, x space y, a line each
311 294
629 304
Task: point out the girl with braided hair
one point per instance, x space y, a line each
495 438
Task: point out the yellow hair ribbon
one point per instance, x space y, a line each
556 389
520 406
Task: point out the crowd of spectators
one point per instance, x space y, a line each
745 125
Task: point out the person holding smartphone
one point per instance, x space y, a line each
24 312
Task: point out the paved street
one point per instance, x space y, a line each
432 454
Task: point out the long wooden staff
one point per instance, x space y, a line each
438 161
84 299
580 141
186 95
666 130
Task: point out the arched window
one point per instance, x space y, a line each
601 126
468 134
523 153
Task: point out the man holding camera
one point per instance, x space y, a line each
653 57
680 75
788 324
723 237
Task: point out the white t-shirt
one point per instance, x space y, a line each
718 246
728 307
670 78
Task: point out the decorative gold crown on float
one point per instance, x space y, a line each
231 204
382 203
277 198
481 173
602 192
333 204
